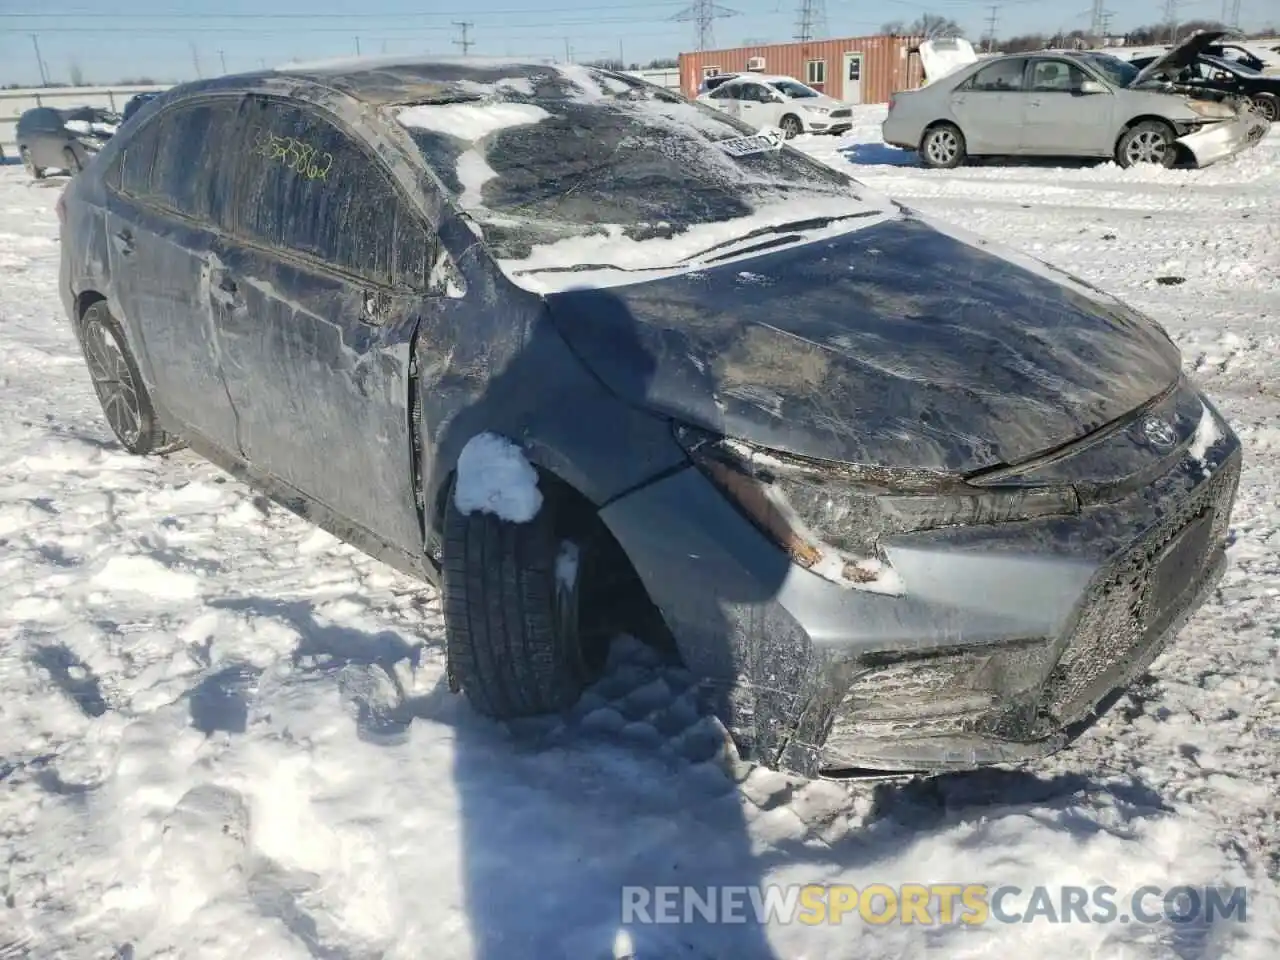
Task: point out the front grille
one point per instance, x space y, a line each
841 113
1130 608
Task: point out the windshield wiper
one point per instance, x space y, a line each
810 223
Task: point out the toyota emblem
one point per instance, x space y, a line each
1159 434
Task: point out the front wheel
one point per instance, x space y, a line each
513 595
943 147
1147 142
791 127
118 384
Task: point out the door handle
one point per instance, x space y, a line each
124 242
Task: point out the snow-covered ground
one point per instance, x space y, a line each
225 735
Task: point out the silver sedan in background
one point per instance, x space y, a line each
1067 104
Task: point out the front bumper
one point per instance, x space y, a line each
1218 141
1011 638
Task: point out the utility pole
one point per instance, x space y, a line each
1171 18
465 43
195 59
357 46
811 20
703 14
44 76
622 60
568 51
992 19
222 58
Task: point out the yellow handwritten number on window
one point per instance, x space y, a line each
303 158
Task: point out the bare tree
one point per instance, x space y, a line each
931 26
894 28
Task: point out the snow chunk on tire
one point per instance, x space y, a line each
494 477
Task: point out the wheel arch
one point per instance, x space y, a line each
84 300
935 124
1144 118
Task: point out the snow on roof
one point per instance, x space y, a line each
354 64
469 121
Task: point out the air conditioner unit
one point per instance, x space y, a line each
755 64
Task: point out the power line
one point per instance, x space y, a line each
389 15
811 19
292 30
465 43
703 14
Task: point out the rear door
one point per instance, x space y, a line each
319 293
45 137
163 203
989 107
1062 121
725 98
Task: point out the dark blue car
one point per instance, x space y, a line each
596 359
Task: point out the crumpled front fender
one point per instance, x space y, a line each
1218 141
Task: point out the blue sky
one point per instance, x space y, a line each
156 37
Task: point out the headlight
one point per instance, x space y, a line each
818 109
1211 110
832 518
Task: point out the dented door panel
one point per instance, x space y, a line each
321 387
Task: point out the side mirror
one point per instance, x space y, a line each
1089 87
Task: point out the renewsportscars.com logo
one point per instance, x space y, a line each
932 904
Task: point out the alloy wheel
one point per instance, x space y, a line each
942 147
113 382
1149 146
791 127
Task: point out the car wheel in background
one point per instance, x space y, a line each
1268 106
1147 142
791 126
32 170
73 162
942 147
121 392
513 605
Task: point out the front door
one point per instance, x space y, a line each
852 90
161 208
1060 120
319 293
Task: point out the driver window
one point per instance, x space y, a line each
756 93
1056 76
725 91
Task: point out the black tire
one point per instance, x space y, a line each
943 147
512 631
74 165
36 173
118 384
791 126
1150 141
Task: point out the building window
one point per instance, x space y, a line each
815 72
710 71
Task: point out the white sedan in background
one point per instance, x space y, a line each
782 102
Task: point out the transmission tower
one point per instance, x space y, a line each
811 19
703 14
1171 18
992 18
1098 21
1231 13
465 43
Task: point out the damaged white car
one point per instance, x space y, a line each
1069 104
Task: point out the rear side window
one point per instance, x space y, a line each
188 170
306 186
1003 76
176 160
41 120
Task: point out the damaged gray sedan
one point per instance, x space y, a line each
594 358
1058 103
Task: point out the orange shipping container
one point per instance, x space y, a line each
855 69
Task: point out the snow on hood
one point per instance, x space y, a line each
944 56
1183 55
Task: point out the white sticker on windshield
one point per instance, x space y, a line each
745 146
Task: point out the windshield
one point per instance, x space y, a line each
1113 68
570 164
793 89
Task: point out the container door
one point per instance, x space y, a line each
852 92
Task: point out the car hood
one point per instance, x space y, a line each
904 344
820 101
944 56
1180 57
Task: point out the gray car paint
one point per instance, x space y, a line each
779 644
